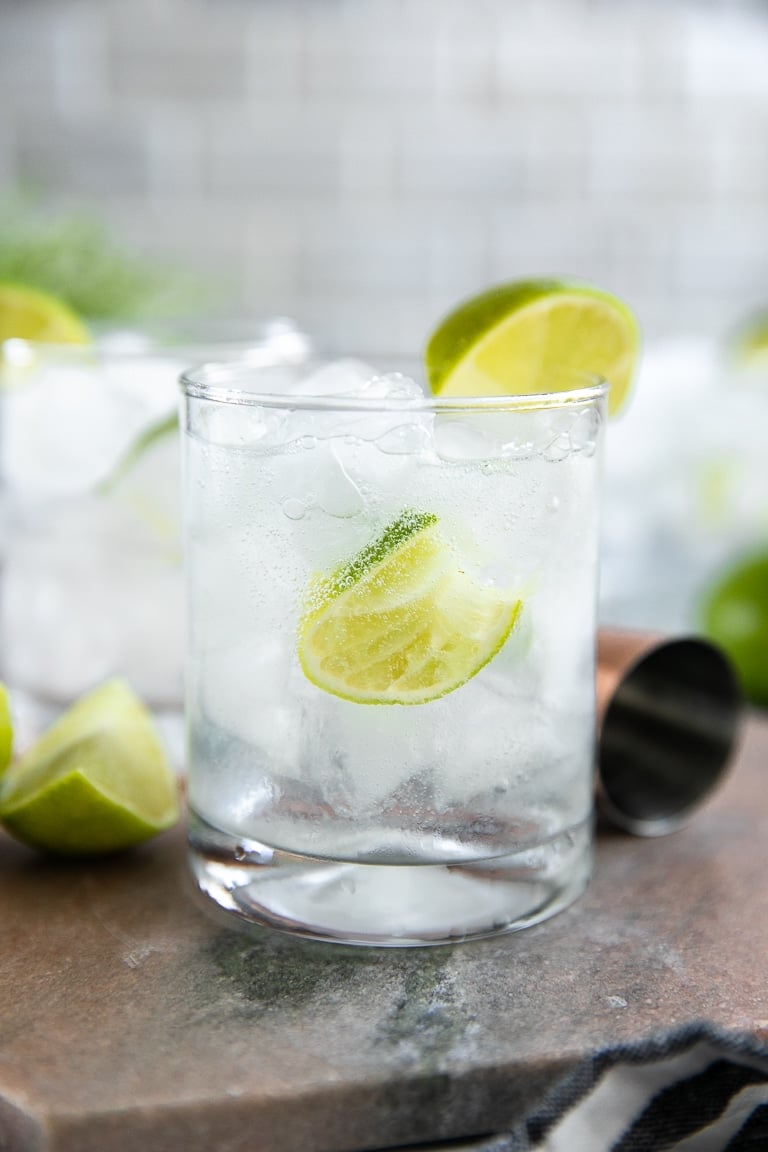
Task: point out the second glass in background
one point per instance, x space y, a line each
91 578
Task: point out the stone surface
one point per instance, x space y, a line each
131 1018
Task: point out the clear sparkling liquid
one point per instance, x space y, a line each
445 797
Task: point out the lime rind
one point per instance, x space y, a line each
95 821
102 757
407 525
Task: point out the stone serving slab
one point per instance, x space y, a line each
133 1019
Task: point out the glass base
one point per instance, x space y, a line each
387 905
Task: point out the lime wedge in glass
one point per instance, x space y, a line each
402 622
531 337
145 482
97 781
27 314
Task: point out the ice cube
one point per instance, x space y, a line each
148 383
347 377
69 421
496 434
395 392
391 386
335 492
86 597
315 479
259 428
245 692
341 458
457 437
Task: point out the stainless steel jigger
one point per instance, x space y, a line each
669 713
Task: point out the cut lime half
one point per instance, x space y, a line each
6 729
28 314
97 781
532 337
734 614
402 622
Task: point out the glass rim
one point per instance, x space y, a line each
206 382
190 341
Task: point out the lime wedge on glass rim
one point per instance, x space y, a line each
402 622
533 336
28 314
98 780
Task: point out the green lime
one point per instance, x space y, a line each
6 730
735 616
532 337
749 346
97 781
402 622
29 314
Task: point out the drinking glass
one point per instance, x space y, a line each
391 635
90 569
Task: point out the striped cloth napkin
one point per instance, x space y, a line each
694 1090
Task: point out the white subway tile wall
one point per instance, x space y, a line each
363 164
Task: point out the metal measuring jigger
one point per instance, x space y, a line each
669 713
